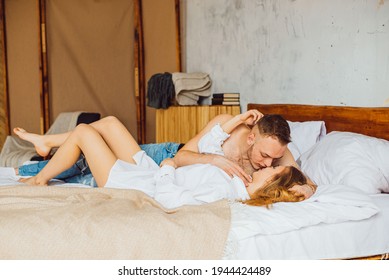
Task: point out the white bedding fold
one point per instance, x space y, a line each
330 204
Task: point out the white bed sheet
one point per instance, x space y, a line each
348 239
324 241
8 178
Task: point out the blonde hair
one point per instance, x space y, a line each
278 188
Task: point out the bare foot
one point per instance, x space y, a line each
37 140
34 181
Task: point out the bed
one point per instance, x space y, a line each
64 221
365 238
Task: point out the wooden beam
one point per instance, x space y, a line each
44 79
4 116
139 71
178 35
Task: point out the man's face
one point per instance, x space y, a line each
264 150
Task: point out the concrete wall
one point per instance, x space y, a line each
298 51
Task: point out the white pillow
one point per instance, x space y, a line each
351 159
304 136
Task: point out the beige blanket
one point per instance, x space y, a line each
16 151
80 223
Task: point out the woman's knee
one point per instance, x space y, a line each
84 134
83 129
106 123
110 120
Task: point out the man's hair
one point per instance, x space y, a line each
275 126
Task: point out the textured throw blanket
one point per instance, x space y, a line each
79 223
16 151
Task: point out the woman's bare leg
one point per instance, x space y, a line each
42 143
111 129
83 139
86 139
117 137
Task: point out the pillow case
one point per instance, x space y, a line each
304 136
351 159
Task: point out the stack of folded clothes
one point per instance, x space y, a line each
166 89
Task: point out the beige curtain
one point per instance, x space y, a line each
22 24
160 47
90 55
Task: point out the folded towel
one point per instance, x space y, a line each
190 87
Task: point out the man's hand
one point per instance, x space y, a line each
250 117
231 168
306 190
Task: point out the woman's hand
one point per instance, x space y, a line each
168 161
251 117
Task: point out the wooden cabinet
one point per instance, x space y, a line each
181 123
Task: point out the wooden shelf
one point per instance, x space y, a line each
181 123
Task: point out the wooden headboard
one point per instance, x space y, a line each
372 121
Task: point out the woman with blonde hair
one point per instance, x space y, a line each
116 161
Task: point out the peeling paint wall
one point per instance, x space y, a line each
298 51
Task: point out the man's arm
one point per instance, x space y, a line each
227 122
189 154
250 118
288 160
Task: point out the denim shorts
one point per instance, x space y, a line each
80 172
158 152
79 168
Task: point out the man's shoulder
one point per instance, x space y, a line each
242 129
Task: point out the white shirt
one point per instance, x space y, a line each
192 184
212 141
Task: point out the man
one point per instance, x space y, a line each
247 149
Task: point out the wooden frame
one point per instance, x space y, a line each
139 72
373 121
43 69
4 98
178 34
